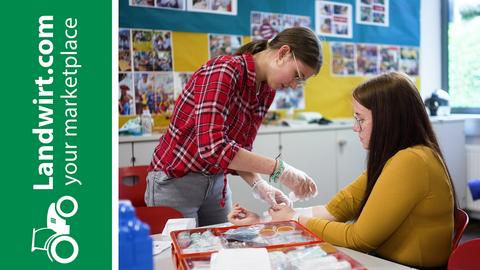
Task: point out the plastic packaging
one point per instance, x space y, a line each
147 121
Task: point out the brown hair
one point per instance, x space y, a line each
399 121
302 41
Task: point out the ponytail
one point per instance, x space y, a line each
253 47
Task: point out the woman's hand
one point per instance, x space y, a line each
271 195
241 216
282 212
299 182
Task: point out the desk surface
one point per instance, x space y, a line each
163 261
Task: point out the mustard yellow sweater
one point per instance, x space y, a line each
408 217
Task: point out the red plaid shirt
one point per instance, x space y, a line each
218 112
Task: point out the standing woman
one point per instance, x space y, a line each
215 121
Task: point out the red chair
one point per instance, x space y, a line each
134 190
466 256
461 222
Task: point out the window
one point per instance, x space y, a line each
460 54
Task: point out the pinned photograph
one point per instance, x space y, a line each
144 94
333 19
124 55
409 60
343 59
373 12
142 3
162 51
170 4
164 92
389 58
223 44
142 50
225 7
126 104
367 59
264 25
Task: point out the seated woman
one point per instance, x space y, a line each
401 208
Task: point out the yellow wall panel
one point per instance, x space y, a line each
190 51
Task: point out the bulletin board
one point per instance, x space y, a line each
360 39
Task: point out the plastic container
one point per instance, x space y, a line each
135 244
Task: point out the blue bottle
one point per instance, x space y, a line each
135 244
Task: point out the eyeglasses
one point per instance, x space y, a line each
358 122
299 80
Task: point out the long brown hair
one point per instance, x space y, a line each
399 121
302 41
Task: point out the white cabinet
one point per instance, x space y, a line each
451 137
135 153
143 152
125 154
351 157
314 153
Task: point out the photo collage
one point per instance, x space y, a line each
333 19
146 77
146 80
225 7
373 12
349 59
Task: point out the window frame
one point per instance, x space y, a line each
444 17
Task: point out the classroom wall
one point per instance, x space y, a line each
430 46
324 93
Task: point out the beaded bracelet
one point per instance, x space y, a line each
278 171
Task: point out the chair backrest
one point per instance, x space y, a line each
157 216
466 256
135 191
461 222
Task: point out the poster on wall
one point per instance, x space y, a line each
343 58
180 80
409 62
124 46
373 12
225 7
289 99
264 25
367 59
170 4
389 58
333 19
219 44
126 104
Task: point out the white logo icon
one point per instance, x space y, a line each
56 232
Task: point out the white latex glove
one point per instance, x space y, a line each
300 183
271 195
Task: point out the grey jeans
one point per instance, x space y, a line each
195 195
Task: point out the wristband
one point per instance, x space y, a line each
278 171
